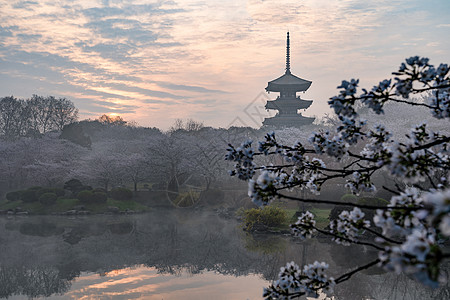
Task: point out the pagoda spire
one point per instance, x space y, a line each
288 58
288 103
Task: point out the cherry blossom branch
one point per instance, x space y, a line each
390 190
319 201
347 239
348 275
411 103
443 86
432 144
382 236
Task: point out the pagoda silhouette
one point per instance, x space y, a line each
288 103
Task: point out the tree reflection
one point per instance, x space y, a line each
42 255
33 282
264 244
40 229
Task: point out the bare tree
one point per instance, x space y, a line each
64 113
41 109
13 117
188 125
34 116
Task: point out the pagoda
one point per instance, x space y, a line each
288 103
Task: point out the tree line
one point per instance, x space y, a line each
109 151
34 116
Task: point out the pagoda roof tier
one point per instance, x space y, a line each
288 82
288 104
288 121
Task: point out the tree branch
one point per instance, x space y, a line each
348 275
347 239
319 201
432 144
390 190
382 236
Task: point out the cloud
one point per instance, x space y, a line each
115 51
146 92
129 10
46 62
115 105
191 88
134 31
164 102
191 58
204 102
7 31
25 4
27 37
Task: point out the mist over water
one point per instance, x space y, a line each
168 254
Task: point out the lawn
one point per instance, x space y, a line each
321 216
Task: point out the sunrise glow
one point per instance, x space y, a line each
153 62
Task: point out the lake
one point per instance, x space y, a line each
170 254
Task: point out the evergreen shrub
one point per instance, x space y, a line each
30 195
268 216
14 196
99 197
85 196
48 198
121 194
44 190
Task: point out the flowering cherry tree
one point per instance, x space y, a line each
409 231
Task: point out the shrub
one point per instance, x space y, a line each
88 196
14 196
48 198
33 194
29 195
99 197
269 216
186 199
86 188
121 194
58 192
75 186
85 196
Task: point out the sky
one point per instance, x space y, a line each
155 61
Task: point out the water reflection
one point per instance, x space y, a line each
149 283
169 253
